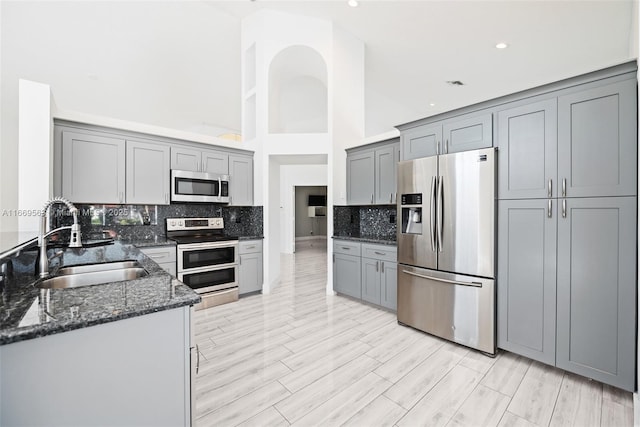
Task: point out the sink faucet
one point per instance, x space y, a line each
74 241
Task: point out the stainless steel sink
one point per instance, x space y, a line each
92 268
91 278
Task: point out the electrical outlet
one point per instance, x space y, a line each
311 232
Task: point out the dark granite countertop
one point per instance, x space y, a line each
366 239
147 243
27 312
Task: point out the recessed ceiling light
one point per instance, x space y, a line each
432 105
502 45
353 3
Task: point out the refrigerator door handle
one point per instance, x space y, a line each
439 218
432 213
452 282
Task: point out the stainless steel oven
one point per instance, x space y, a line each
189 186
207 259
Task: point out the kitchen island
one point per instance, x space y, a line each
111 354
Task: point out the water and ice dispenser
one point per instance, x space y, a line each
411 213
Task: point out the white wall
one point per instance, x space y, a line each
291 176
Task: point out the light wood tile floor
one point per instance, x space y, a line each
300 357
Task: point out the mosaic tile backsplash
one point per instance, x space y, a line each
126 221
374 222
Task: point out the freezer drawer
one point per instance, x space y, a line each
452 306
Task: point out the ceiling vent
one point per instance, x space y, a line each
455 83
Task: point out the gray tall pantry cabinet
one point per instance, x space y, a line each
567 226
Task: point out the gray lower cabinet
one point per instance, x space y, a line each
164 256
597 297
250 276
597 141
190 159
346 274
147 174
527 232
240 180
371 280
389 285
528 158
360 178
93 168
465 132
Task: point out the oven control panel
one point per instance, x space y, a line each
174 224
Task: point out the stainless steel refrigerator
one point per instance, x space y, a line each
446 246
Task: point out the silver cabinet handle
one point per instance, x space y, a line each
432 213
156 256
379 253
438 147
549 209
377 266
564 208
382 268
346 248
564 187
197 360
439 213
371 198
390 198
446 146
453 282
251 247
549 189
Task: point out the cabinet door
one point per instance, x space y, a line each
186 159
528 160
597 289
241 180
371 280
422 141
148 173
93 168
250 273
215 162
385 175
360 178
527 278
597 141
346 275
389 285
466 133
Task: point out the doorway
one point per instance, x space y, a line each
310 217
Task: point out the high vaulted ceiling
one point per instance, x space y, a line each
177 64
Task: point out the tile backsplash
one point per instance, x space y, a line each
125 221
375 222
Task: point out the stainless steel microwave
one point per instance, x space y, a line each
203 187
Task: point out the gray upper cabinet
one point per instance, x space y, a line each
596 331
597 141
147 173
468 132
240 180
371 174
93 168
527 278
421 141
527 137
386 160
190 159
360 178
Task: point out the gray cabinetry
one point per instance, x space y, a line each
597 141
347 268
461 133
389 285
371 174
528 164
240 180
597 289
190 159
164 256
93 168
371 280
147 173
360 178
250 275
527 278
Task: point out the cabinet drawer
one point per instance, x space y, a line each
380 252
161 254
250 246
346 247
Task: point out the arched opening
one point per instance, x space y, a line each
298 100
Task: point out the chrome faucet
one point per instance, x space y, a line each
74 241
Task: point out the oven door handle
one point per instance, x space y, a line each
183 247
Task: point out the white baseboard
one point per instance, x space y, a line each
636 409
301 239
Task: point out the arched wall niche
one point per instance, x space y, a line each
298 100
